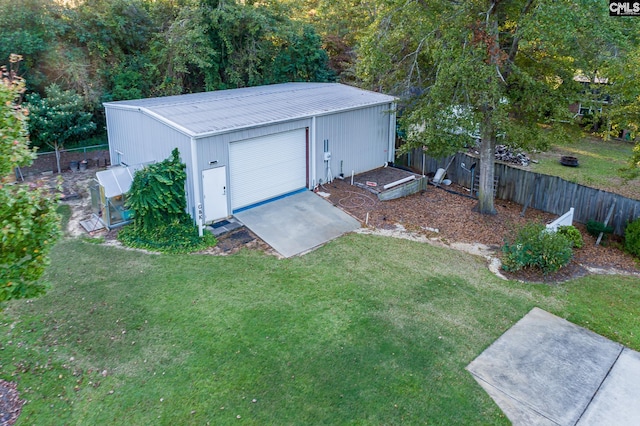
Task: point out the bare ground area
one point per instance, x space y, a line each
10 403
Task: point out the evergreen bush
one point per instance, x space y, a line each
536 247
594 228
632 238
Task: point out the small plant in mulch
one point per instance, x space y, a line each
533 246
160 223
572 234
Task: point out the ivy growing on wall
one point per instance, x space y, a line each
158 200
157 193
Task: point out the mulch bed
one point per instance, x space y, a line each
446 213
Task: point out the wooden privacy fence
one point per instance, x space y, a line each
547 193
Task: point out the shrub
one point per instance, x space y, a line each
572 234
536 247
594 228
632 238
178 236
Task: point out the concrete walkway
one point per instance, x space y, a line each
547 371
297 223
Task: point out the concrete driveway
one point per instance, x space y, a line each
547 371
297 223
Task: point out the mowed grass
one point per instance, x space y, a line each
599 164
366 330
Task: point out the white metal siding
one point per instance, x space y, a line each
266 167
214 148
143 139
359 139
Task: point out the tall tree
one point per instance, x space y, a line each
27 28
493 68
216 45
29 224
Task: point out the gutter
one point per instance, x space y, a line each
197 196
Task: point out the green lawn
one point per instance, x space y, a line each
599 160
366 330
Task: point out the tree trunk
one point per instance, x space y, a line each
57 148
487 169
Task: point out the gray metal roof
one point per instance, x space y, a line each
202 114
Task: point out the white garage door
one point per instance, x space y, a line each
266 167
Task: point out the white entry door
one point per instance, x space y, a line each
214 189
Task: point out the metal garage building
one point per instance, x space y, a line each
245 146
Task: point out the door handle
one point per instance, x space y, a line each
224 190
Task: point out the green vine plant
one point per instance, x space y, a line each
160 221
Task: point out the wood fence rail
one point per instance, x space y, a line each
543 192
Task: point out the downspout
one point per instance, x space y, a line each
312 153
392 134
197 196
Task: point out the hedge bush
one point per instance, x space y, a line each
632 238
534 246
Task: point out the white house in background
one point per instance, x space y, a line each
594 95
245 146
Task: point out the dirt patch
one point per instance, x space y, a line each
46 161
75 193
10 403
238 239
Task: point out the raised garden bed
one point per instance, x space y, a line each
389 183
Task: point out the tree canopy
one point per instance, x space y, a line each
29 224
487 68
491 68
58 118
118 49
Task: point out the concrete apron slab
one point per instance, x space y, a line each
547 371
618 399
298 223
